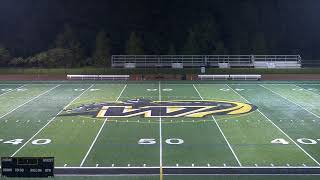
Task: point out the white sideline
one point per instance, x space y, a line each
278 128
160 128
29 101
195 167
182 84
49 122
12 90
290 101
95 139
234 154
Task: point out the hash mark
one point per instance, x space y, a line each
304 165
224 165
144 165
271 164
17 121
192 165
256 165
65 165
128 165
208 165
112 165
177 165
288 164
97 165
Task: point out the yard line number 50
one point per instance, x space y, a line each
171 141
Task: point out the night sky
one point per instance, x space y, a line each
286 26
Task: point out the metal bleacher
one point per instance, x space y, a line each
229 77
98 77
222 61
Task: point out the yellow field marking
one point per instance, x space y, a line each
161 173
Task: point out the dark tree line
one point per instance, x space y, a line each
75 33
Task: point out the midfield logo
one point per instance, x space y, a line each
176 108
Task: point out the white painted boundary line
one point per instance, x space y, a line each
12 90
29 101
234 154
105 175
160 127
242 175
148 175
98 134
183 84
195 167
290 101
50 121
241 84
278 128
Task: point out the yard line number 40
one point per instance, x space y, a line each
305 141
34 142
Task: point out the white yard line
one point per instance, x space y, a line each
12 90
160 128
278 128
50 121
29 101
290 101
98 134
234 154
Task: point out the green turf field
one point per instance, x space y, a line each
283 131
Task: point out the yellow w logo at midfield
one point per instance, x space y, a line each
177 108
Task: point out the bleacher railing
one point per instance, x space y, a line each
97 77
198 60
